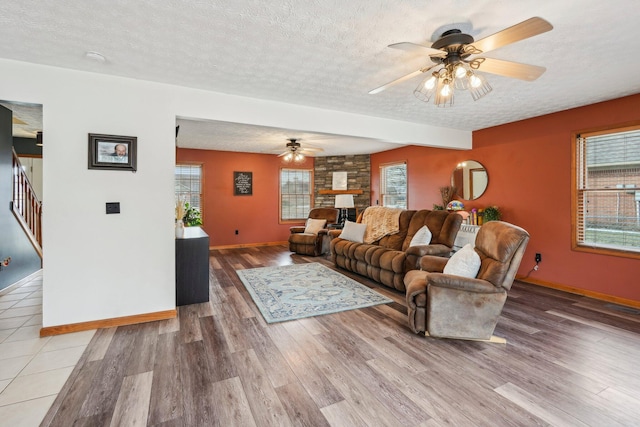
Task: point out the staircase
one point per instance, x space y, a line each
25 205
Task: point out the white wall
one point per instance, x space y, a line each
99 266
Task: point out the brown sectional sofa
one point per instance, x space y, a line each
388 259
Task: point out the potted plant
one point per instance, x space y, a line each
191 216
492 213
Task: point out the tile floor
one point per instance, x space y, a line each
32 369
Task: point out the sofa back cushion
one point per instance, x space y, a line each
330 214
395 241
501 246
444 226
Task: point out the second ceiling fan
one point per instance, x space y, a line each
457 57
296 153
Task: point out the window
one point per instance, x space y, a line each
188 185
295 194
606 205
393 185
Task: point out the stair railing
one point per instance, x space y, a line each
25 205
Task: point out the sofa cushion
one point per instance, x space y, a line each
443 225
353 231
465 263
314 225
395 241
422 237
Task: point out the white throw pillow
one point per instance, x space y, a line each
314 225
422 237
353 231
465 263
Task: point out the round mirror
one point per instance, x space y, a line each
470 179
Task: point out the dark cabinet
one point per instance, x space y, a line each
192 267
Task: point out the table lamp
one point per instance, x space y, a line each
343 202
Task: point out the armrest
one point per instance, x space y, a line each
296 229
334 233
435 249
433 263
459 283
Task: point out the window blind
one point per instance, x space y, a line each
608 189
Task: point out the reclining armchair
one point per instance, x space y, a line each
449 306
308 240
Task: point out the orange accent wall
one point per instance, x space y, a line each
256 217
528 163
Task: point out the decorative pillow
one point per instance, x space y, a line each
353 231
314 225
422 237
465 263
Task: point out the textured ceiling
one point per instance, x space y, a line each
330 53
261 139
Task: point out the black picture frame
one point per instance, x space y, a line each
105 152
242 183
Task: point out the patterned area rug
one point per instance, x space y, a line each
303 290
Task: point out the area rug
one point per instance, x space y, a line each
303 290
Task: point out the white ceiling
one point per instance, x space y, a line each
330 53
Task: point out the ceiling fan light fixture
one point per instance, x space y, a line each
478 86
453 52
474 80
427 88
430 83
446 88
444 94
461 80
459 71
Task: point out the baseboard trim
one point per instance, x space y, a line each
247 245
583 292
108 323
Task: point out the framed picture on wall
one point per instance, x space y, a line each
112 152
243 183
339 181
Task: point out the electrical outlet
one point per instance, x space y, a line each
237 232
538 258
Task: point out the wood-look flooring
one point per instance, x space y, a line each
569 361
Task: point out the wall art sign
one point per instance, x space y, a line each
112 152
242 183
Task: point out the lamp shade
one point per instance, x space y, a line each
344 200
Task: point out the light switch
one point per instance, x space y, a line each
113 207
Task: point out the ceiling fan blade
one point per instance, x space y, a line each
509 68
413 47
308 148
401 79
284 154
529 28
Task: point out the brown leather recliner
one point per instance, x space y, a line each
447 306
312 244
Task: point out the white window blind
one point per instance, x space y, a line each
295 193
608 190
393 185
188 185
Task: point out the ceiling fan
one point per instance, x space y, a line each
296 153
457 57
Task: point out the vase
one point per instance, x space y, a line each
179 229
